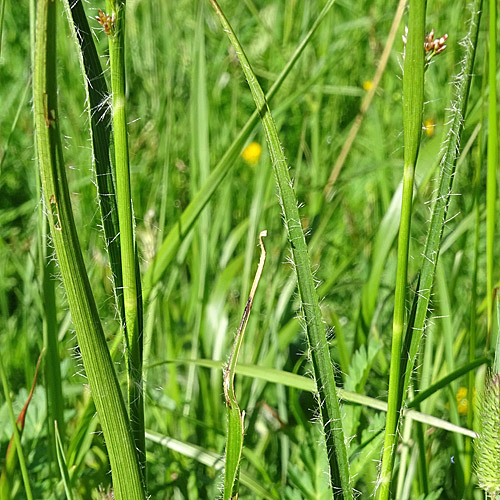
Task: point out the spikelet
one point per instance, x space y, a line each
487 444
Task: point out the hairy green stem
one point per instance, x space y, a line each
413 101
445 184
431 252
315 328
100 131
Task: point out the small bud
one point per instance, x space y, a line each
434 47
106 21
405 36
429 42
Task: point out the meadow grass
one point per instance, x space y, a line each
375 310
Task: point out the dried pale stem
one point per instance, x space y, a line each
351 137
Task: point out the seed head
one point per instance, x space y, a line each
432 46
107 22
487 444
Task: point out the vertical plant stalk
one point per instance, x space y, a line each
127 480
413 102
316 332
100 132
491 182
236 418
445 185
52 364
131 286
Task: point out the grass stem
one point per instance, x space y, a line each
315 328
131 294
413 101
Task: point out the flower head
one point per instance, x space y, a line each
252 153
487 449
437 46
433 47
367 85
107 22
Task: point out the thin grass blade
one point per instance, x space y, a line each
12 454
63 467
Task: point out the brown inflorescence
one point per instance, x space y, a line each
106 21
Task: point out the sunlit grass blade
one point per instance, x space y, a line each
491 182
63 467
302 383
115 17
315 328
127 480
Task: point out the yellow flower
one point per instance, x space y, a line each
462 401
252 153
429 127
367 85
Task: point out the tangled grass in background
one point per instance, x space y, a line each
202 190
